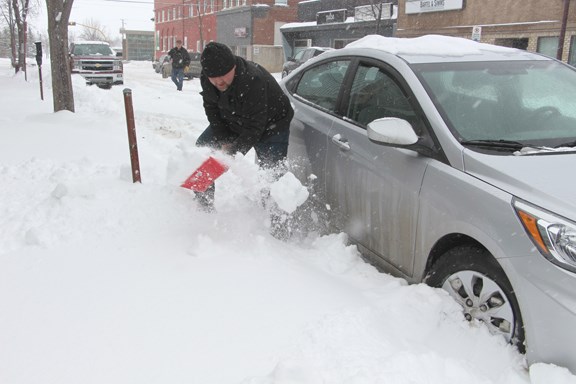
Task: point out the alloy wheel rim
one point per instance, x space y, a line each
482 299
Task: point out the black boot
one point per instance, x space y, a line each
206 198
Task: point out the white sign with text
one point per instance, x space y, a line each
419 6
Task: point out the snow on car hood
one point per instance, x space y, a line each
545 180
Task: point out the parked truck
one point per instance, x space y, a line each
97 63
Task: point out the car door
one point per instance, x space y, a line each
316 93
374 189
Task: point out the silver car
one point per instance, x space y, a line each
451 162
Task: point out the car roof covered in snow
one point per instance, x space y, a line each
437 48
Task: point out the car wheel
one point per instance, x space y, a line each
476 281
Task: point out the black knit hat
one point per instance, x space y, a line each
217 59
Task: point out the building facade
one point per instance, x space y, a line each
250 27
268 31
527 24
335 23
138 45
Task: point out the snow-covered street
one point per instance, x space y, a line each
106 281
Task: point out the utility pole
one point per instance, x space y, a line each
560 51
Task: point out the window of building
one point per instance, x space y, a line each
513 43
163 16
300 45
547 45
341 43
281 2
242 51
572 53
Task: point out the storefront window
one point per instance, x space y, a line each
548 45
572 53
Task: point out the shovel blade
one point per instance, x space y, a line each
203 177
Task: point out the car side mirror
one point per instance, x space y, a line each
118 54
392 131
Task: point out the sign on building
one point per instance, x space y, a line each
240 32
334 16
420 6
476 32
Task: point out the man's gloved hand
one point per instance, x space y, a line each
186 69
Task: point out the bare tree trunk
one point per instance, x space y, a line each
20 16
13 42
8 15
58 16
379 19
18 24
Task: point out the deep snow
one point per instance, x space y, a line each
106 281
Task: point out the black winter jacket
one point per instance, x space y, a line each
180 57
253 107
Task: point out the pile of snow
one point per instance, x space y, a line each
107 281
427 45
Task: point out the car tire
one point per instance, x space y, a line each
473 277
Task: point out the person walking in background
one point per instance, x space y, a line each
180 59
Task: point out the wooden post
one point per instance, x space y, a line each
41 89
39 62
132 136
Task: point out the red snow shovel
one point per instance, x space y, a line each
204 175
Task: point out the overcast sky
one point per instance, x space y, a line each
110 14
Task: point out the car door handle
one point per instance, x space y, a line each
341 142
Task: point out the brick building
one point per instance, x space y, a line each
527 24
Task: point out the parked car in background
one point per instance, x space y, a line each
118 51
193 70
157 64
97 63
448 162
301 57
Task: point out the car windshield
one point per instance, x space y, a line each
526 102
92 49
